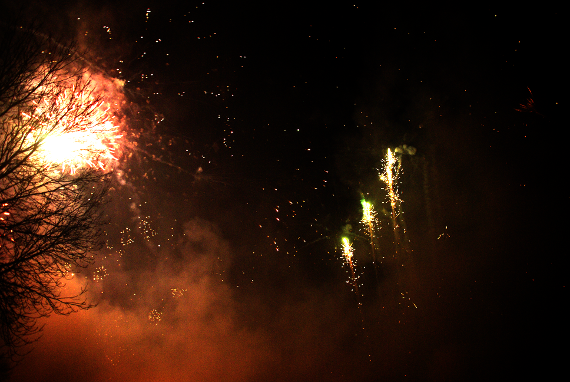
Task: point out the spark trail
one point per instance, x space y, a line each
369 220
348 253
389 176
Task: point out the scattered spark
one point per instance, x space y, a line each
145 228
444 234
155 316
100 273
177 292
126 238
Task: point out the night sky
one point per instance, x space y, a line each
251 134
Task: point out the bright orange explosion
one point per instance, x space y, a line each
76 123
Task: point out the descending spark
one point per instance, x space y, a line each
75 123
347 253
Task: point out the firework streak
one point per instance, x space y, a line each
389 176
347 253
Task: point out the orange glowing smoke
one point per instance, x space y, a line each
75 123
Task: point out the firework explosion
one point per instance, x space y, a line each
75 122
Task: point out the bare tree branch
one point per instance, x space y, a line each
49 218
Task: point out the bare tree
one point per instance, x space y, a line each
49 215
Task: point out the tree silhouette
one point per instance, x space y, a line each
49 214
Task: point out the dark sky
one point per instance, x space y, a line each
251 134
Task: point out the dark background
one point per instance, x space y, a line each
252 131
